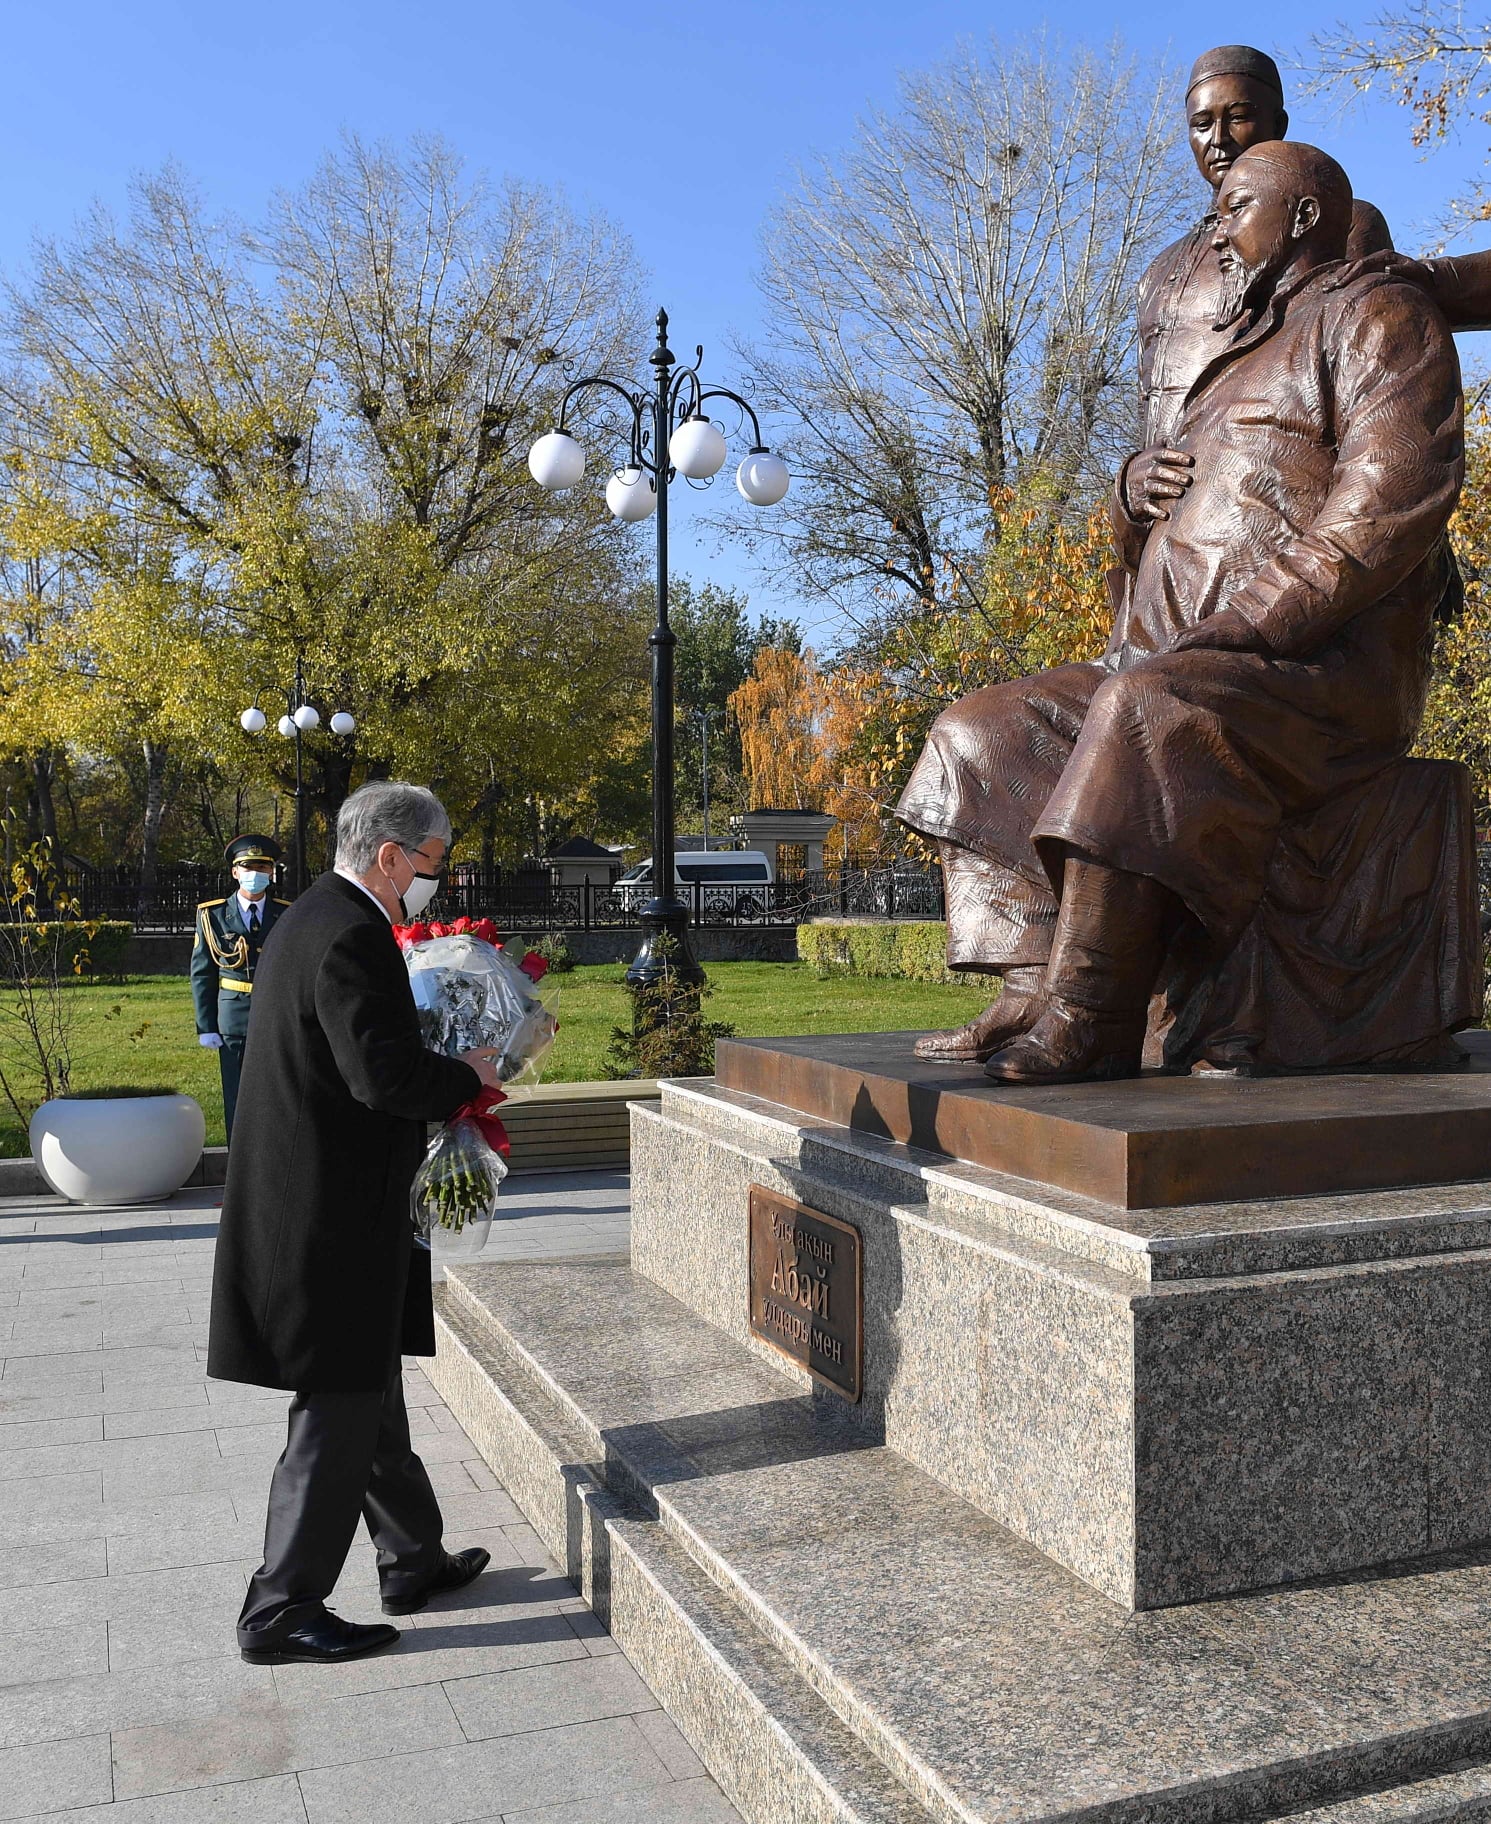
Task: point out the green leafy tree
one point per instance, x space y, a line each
717 648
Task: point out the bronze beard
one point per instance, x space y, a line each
1244 286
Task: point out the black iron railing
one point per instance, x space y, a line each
171 905
789 900
525 901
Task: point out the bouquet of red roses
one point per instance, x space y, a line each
472 995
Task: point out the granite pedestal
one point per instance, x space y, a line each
974 1595
1173 1402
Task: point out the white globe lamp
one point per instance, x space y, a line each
762 478
342 723
631 495
307 717
556 460
285 726
252 721
697 449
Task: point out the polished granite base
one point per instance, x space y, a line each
1153 1142
843 1638
1172 1403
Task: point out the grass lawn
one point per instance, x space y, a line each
141 1031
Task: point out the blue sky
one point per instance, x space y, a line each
682 124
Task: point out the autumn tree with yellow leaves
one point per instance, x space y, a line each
309 442
843 736
1457 718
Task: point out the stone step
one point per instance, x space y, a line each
1461 1797
776 1748
781 1538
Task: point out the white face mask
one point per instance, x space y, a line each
418 894
253 883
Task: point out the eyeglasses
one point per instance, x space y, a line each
419 873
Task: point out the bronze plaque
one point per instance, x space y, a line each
807 1295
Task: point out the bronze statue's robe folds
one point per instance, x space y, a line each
1327 439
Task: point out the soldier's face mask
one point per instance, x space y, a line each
253 881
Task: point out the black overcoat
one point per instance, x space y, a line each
317 1285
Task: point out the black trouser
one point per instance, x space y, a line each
230 1063
347 1453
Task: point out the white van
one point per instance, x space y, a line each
730 882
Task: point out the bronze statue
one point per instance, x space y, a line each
1219 809
1234 100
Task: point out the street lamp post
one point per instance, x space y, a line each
299 719
670 435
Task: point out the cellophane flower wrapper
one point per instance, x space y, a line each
454 1197
472 995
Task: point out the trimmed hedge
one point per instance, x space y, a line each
104 949
909 952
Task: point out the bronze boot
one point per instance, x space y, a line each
1002 1022
1110 943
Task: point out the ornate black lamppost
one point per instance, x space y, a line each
299 719
670 435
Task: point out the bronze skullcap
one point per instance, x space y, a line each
1237 60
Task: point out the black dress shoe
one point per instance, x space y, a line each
326 1639
459 1569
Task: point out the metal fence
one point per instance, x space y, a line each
791 899
180 887
524 900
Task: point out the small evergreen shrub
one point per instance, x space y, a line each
670 1036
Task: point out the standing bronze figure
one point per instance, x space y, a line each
1219 812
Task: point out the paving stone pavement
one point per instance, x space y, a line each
132 1497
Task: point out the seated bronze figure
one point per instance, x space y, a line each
1212 834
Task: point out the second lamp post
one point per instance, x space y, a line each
670 435
299 719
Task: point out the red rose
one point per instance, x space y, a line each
534 966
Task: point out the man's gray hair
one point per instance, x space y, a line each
387 810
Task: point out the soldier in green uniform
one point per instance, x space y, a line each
230 935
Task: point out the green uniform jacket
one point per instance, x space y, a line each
224 953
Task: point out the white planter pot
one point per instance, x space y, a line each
129 1149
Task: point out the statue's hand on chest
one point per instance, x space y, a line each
1155 479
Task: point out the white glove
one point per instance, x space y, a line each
213 1041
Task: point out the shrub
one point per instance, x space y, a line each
910 952
670 1036
68 945
553 946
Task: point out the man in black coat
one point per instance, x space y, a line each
318 1286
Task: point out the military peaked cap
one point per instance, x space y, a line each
244 849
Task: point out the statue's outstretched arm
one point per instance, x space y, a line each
1460 283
